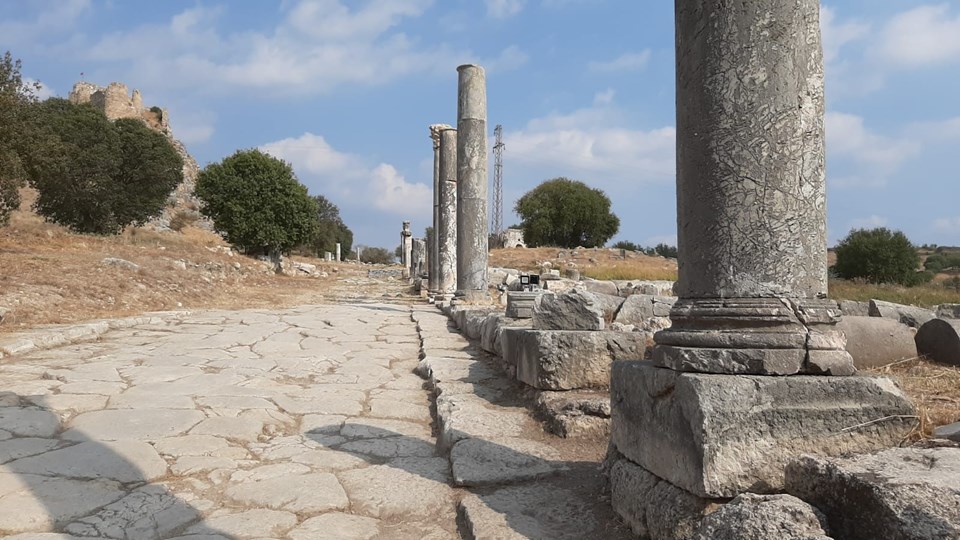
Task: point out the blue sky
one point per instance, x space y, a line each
345 90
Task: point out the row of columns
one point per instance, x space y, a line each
457 250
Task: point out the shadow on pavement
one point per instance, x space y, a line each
56 481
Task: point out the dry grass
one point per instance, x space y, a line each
928 295
934 389
596 263
51 275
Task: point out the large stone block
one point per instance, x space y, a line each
520 303
912 316
877 341
722 435
566 359
637 309
897 494
573 310
652 507
492 331
762 517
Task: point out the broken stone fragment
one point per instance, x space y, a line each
762 517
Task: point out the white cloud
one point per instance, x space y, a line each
319 45
593 144
837 34
937 131
605 97
321 166
924 36
878 156
632 61
948 225
52 16
869 222
43 92
502 9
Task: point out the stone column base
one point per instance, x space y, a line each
761 336
721 435
472 297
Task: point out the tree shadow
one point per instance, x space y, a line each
52 481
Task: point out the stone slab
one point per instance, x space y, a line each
575 413
565 359
479 462
722 435
912 316
577 309
652 507
528 511
761 517
899 493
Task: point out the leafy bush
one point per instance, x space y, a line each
182 219
256 203
566 213
97 176
665 250
942 261
630 246
16 98
878 256
376 255
330 229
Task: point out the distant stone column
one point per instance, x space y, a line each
433 271
406 245
472 226
338 252
447 227
751 197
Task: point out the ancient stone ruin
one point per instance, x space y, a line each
116 102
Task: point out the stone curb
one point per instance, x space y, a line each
48 337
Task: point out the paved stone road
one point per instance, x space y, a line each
306 423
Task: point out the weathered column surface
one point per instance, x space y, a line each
751 198
433 270
472 226
406 245
338 252
447 226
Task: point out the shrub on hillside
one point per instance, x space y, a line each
566 213
330 229
376 255
879 256
256 203
16 98
97 176
629 246
942 262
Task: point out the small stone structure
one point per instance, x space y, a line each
705 417
513 238
472 226
447 227
406 245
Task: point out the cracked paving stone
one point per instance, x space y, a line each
405 487
144 424
245 524
308 493
240 429
19 448
123 461
30 502
148 513
24 422
336 526
199 445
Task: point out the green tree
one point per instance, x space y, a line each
256 203
878 256
566 213
16 98
376 255
665 250
630 246
96 176
943 261
330 228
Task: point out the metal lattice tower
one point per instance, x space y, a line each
497 225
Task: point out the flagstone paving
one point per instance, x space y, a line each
294 424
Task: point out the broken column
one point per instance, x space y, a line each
447 225
706 416
338 252
434 243
472 227
406 245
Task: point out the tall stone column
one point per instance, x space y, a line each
338 252
447 227
713 414
433 269
406 245
751 197
472 226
